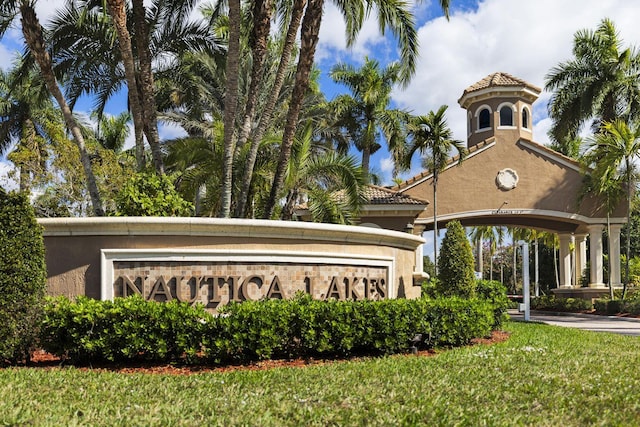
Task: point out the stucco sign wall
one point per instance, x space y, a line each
214 261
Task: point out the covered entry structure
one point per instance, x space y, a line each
508 179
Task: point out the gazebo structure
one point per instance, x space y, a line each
508 179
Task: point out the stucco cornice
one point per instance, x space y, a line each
237 228
551 154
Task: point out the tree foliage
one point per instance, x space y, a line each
149 194
599 84
455 264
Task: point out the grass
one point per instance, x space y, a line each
543 376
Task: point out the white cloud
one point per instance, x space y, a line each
6 181
386 165
332 44
171 131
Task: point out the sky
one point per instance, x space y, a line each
522 38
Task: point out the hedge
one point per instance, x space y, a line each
22 277
551 302
130 329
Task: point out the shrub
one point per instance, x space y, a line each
551 302
22 277
456 321
147 194
496 294
133 329
455 263
608 306
121 330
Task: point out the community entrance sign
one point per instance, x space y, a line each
217 261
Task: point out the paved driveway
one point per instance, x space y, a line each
618 325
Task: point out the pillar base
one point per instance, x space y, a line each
598 285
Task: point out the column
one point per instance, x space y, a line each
581 255
419 262
565 260
595 249
614 254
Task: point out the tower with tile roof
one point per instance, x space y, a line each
499 106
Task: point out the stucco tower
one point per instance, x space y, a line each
499 106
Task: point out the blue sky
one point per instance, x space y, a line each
523 38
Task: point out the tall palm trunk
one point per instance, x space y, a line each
230 106
119 17
265 119
515 263
480 260
555 264
32 32
28 137
491 252
537 271
308 43
146 87
366 160
435 218
628 248
259 39
609 258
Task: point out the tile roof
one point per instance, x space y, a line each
499 79
376 195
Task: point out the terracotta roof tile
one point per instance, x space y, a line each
376 195
499 79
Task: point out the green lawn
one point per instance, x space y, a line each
543 376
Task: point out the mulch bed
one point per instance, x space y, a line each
43 360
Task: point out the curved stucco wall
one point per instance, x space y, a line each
85 256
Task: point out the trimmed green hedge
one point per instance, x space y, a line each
130 328
23 277
616 306
124 329
551 302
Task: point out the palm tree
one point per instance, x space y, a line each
34 38
600 83
395 15
230 105
550 240
331 183
431 136
365 114
28 118
288 42
198 161
88 64
495 235
112 131
613 153
117 11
